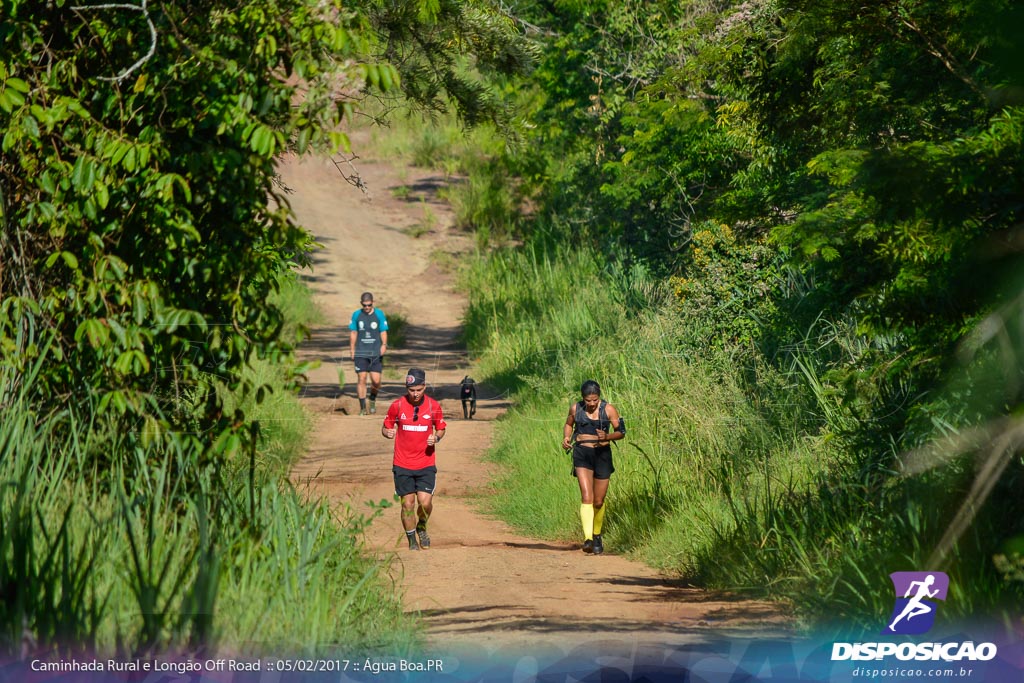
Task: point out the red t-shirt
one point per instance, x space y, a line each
411 449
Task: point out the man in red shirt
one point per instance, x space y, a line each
416 424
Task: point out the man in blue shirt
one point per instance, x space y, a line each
368 342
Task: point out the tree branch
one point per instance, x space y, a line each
943 55
152 34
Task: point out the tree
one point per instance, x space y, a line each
142 226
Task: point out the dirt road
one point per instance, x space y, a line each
480 585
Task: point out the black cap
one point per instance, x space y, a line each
415 377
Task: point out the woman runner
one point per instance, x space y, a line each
591 426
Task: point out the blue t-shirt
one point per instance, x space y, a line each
368 327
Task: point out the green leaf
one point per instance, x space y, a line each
128 163
386 81
302 142
17 84
339 39
97 333
262 141
113 399
83 175
69 259
372 75
428 10
228 443
117 151
10 99
339 142
102 195
30 126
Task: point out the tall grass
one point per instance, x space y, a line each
106 562
305 585
735 472
121 566
481 192
545 322
301 312
438 143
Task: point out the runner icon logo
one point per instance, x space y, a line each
914 611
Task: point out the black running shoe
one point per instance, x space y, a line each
588 546
421 531
412 542
598 545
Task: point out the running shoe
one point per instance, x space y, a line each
362 411
588 546
373 406
412 542
421 531
598 545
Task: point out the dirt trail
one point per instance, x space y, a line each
480 585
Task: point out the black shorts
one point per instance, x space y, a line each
598 458
411 481
367 364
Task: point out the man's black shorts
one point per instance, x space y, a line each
598 459
411 481
367 364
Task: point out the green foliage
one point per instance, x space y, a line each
137 215
306 585
131 566
696 436
484 197
486 202
833 192
148 253
144 229
734 473
428 40
511 313
729 289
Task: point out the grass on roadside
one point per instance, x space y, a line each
173 559
735 482
480 189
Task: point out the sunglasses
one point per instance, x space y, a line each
367 305
415 413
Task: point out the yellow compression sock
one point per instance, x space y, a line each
587 517
599 517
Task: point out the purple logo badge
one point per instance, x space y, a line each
914 613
